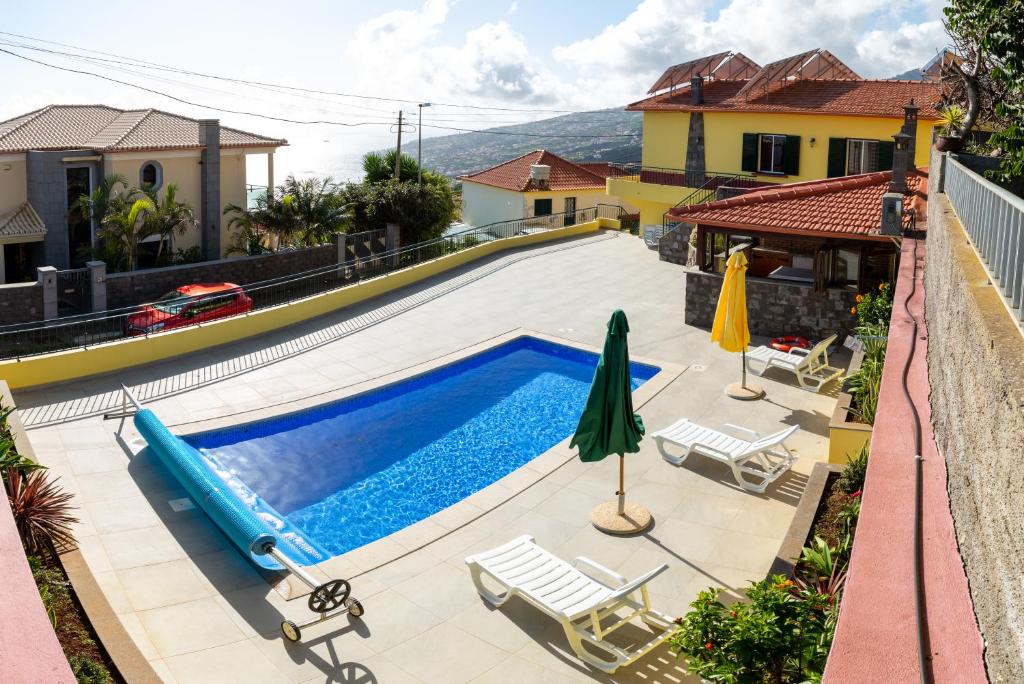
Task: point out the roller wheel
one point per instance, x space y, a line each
329 596
355 608
291 631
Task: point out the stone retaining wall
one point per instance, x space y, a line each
774 308
21 303
136 287
674 246
976 371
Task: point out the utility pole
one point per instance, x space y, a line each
419 145
398 152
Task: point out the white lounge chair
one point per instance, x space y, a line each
809 365
739 454
586 607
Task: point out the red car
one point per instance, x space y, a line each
188 305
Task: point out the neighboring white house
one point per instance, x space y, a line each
535 184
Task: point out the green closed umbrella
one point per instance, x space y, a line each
609 426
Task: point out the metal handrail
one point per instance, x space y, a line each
994 221
96 328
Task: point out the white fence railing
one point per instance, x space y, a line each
994 220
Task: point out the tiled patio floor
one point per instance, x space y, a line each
200 613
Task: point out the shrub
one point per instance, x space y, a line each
781 635
852 478
874 307
41 510
88 671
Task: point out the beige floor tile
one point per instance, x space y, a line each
516 669
163 584
122 515
96 460
391 619
110 485
376 668
162 671
114 592
745 551
445 654
133 625
189 627
507 628
443 589
145 546
95 553
685 539
237 662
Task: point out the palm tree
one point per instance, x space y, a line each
381 167
168 217
268 216
319 207
96 205
123 228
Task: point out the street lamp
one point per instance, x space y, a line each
419 145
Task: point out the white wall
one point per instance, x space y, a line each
483 204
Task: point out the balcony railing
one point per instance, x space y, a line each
994 220
682 178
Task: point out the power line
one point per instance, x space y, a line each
287 120
154 65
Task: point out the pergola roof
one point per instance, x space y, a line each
813 65
722 66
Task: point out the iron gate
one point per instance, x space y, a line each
73 292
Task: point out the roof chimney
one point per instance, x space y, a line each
910 127
696 90
539 174
900 163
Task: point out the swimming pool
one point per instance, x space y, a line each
355 470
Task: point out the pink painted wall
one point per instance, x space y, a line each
876 639
29 650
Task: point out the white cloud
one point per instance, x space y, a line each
908 47
512 9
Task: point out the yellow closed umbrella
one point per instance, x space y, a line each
730 327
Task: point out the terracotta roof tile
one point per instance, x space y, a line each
853 97
515 174
851 205
22 222
102 128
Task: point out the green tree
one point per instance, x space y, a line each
320 208
378 167
122 230
169 216
424 212
96 205
987 35
272 215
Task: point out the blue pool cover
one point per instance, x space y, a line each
343 474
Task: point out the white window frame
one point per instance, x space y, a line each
863 157
777 139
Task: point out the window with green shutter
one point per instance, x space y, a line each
885 150
836 157
750 152
791 155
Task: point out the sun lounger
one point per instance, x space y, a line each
809 365
588 608
754 456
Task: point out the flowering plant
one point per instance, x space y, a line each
874 308
781 634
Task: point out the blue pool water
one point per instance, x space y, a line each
353 471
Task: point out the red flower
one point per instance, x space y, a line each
708 646
732 614
855 494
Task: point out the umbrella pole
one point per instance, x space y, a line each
622 485
744 361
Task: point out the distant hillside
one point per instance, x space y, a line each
454 155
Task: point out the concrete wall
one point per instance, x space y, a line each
774 308
137 287
483 204
976 370
13 191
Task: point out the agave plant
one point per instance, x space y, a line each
41 511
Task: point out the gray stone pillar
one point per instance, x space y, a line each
392 235
339 246
97 285
46 276
209 215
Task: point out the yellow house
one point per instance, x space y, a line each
537 184
723 121
52 156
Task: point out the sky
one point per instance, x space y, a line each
482 62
